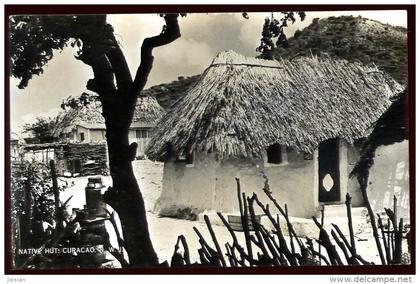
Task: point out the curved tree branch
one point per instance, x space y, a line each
118 62
100 51
103 82
169 34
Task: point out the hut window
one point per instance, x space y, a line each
274 154
141 133
82 137
188 157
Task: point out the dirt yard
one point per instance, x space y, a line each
164 231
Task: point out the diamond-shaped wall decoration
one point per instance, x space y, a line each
327 182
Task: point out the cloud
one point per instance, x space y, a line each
203 36
184 57
130 30
220 32
62 77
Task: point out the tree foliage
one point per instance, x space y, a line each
50 129
32 45
33 211
32 199
34 39
80 102
273 29
42 130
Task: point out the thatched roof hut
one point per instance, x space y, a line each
147 110
241 105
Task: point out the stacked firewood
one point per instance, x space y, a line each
93 157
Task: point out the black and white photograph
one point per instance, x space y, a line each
168 139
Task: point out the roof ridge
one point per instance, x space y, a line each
244 64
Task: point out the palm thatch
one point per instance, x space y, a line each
147 111
241 105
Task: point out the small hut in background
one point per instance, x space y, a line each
294 121
88 124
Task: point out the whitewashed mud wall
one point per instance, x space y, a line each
210 185
187 187
389 176
96 135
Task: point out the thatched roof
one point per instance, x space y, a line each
147 111
241 105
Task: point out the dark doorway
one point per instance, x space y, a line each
274 154
77 166
328 171
74 166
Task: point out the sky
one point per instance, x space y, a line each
203 37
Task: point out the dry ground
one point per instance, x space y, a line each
164 231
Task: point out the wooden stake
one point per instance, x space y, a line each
216 243
58 221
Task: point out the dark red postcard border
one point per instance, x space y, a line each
130 9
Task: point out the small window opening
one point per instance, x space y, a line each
274 155
142 133
82 137
188 156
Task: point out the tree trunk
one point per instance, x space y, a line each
118 105
125 196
